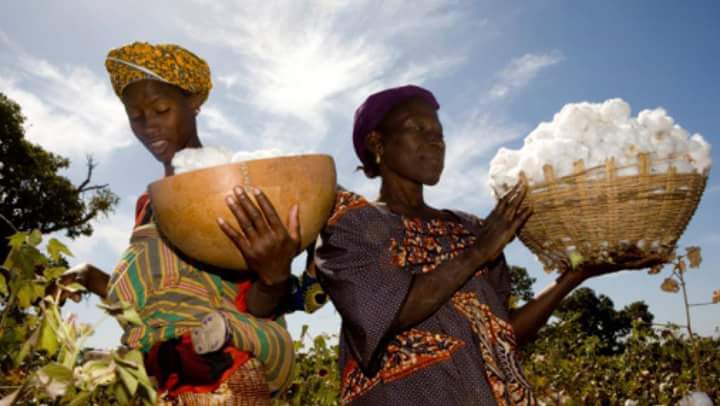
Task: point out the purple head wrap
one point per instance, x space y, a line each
369 115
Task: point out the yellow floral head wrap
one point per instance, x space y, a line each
167 63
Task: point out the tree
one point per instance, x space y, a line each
33 195
521 285
596 316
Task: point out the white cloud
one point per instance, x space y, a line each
70 110
300 62
214 122
109 240
470 146
520 71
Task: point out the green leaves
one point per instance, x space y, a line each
17 240
53 272
55 248
28 292
575 259
123 312
34 238
55 379
40 351
317 378
48 339
3 285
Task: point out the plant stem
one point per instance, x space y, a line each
693 343
7 309
702 304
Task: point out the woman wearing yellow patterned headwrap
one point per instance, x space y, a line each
196 332
162 88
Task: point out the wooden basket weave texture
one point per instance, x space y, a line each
596 213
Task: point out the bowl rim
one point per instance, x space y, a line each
215 167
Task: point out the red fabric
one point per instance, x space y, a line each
188 355
192 362
241 298
141 208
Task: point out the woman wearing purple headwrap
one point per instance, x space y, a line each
423 293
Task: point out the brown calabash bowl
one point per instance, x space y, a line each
186 206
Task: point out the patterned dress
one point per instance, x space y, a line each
170 296
464 354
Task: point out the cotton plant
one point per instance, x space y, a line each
42 358
595 133
675 282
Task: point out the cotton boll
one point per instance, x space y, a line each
696 399
570 122
596 133
504 160
615 110
655 120
191 159
680 138
531 165
682 166
504 171
260 154
699 152
543 131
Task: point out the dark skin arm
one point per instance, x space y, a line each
528 320
267 246
89 276
428 292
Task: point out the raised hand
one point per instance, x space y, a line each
267 246
92 278
506 219
632 259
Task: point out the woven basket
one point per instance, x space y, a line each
246 387
597 213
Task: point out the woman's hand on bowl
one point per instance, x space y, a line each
267 246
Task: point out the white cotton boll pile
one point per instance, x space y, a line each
596 133
260 154
696 399
191 159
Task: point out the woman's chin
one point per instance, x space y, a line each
432 180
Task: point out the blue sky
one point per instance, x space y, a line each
290 74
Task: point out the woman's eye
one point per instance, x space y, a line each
162 110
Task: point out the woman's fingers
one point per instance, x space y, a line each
268 210
253 214
246 225
236 237
294 224
522 217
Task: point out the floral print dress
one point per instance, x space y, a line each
464 354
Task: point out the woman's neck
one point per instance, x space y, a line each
402 196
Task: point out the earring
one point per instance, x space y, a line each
377 159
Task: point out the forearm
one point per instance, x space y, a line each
263 300
527 320
96 281
429 291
